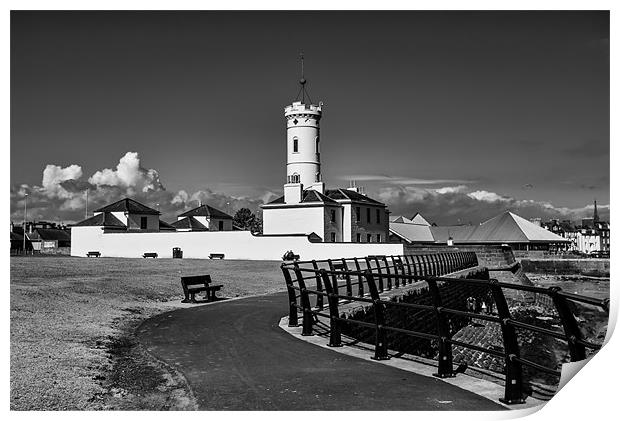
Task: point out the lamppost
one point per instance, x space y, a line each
25 213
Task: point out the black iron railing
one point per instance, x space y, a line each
363 280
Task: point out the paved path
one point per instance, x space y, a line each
235 357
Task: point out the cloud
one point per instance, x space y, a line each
487 196
450 189
54 176
405 181
456 205
128 173
62 194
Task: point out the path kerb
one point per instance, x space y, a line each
418 365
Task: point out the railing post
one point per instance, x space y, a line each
319 285
333 276
335 337
292 297
347 277
451 262
387 272
305 304
408 262
571 328
444 360
379 275
360 279
379 309
513 389
442 265
396 272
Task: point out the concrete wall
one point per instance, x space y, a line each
199 244
294 220
588 267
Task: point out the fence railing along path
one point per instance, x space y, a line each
363 280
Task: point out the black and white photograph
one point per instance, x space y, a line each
308 210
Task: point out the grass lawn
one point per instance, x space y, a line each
72 322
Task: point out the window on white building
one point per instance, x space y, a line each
295 145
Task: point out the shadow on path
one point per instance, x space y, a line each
235 357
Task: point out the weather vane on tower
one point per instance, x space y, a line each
302 82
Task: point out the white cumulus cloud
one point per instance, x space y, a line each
128 174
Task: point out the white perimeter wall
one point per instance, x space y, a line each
234 244
294 220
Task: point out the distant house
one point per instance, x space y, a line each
189 223
50 240
506 228
125 215
204 218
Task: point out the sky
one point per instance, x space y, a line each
457 115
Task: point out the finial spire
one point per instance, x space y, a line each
302 82
595 216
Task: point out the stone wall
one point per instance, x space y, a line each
587 267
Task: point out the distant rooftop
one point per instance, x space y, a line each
206 210
129 206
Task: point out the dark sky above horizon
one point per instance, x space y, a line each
515 103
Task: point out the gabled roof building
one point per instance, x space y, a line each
506 228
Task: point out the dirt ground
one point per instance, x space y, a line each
72 324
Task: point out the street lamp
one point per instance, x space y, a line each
25 213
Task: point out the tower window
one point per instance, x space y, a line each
295 145
317 144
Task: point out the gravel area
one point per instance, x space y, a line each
72 324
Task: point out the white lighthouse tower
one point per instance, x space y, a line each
303 158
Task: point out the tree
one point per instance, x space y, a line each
245 219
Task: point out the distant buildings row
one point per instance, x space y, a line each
505 229
591 237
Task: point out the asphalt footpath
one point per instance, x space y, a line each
235 357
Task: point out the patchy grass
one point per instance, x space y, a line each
72 322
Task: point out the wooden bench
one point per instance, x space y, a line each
216 256
93 254
153 255
194 284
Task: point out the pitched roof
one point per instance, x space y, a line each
50 234
399 218
308 196
164 226
419 219
189 222
345 194
414 233
130 206
504 228
206 210
104 219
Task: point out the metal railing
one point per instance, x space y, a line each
363 280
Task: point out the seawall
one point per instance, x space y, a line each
586 267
